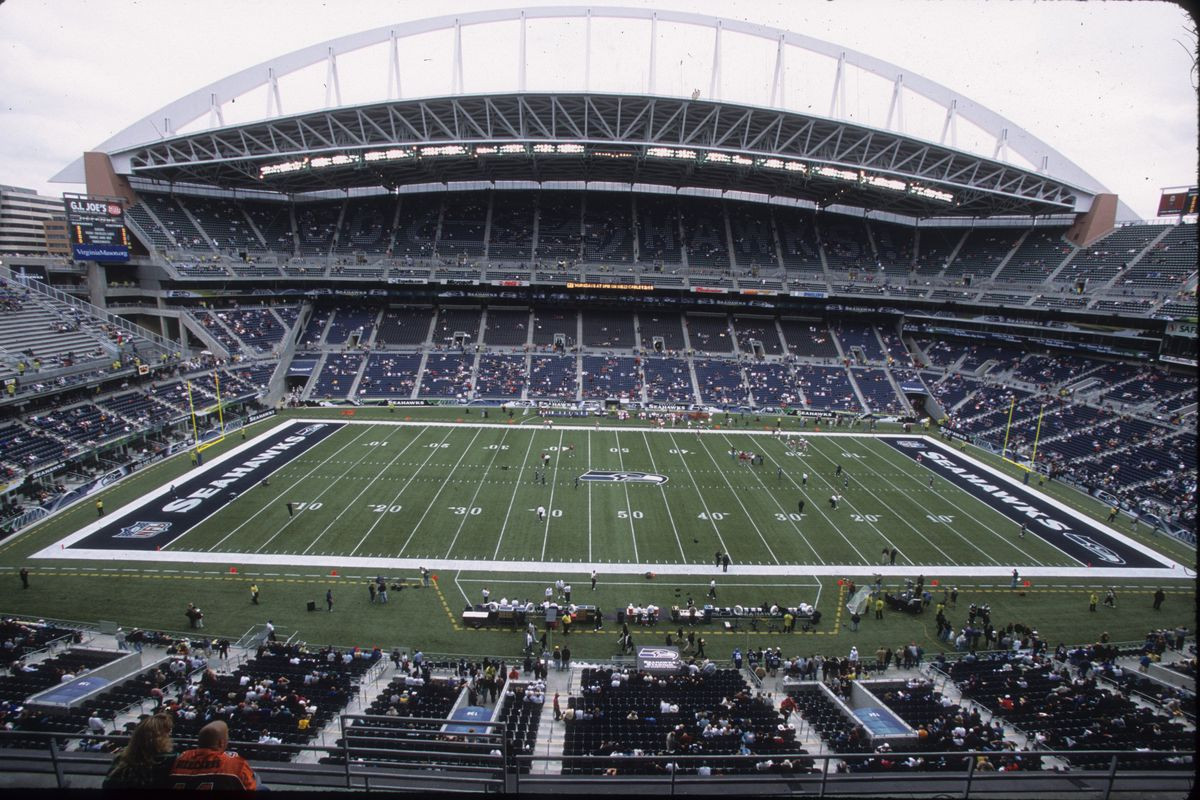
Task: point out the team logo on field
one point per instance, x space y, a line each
143 530
911 443
1102 552
607 476
657 652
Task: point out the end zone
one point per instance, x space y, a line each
1078 536
149 523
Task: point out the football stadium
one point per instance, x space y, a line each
566 434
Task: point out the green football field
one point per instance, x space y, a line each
472 493
507 495
376 497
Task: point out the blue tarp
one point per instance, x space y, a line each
879 721
466 719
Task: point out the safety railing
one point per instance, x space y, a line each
845 774
1167 773
93 310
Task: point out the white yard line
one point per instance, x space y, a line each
663 490
365 489
1168 571
851 507
482 480
460 588
816 504
738 498
511 500
411 478
438 494
785 512
298 481
953 529
589 491
553 486
700 494
628 507
1165 560
325 562
907 463
318 496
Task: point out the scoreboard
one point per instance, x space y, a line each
1180 201
96 227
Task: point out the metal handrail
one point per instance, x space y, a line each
65 764
93 310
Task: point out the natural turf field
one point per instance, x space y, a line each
410 492
434 492
471 493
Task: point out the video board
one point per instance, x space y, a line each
96 227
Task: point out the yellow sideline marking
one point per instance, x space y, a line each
704 631
453 622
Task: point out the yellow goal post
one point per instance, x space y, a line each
1031 464
205 412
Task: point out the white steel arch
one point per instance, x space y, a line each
1008 136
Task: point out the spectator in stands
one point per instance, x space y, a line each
146 761
209 766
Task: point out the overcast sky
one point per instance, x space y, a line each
1109 84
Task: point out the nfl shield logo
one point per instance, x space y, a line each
143 530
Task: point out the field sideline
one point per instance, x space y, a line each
460 495
153 593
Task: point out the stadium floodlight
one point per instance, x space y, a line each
884 183
571 149
932 194
444 150
726 158
512 149
543 148
320 162
671 152
839 174
282 169
783 164
393 154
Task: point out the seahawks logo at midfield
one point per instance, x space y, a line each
607 476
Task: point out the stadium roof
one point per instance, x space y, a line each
635 137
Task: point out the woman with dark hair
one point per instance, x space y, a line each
145 763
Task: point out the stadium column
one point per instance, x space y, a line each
183 337
97 284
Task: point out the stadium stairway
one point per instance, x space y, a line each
862 399
306 392
550 735
1008 256
550 732
199 228
904 402
1133 262
197 329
